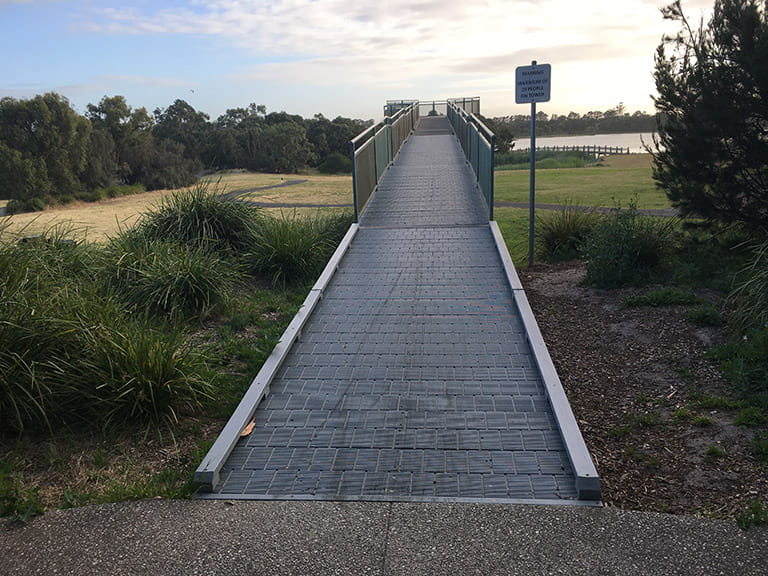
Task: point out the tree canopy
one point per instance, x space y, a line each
49 153
711 156
614 121
43 148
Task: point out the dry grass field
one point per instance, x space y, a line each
98 220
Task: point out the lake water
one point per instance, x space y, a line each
632 141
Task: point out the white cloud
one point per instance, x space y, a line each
401 44
397 28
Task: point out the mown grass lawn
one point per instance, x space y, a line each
617 181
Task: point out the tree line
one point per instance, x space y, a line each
51 154
614 121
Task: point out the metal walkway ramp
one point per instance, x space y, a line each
420 373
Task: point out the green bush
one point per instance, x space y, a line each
123 190
744 362
71 354
545 159
706 315
81 360
756 514
141 374
750 297
336 163
562 232
626 248
199 216
169 279
18 503
295 250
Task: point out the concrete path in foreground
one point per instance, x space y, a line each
244 538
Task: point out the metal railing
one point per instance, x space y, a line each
469 105
392 107
478 143
374 149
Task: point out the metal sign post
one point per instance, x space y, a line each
532 84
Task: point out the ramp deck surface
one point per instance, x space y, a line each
413 378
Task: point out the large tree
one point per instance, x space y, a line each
181 123
711 155
112 118
45 145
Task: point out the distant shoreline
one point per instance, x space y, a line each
634 141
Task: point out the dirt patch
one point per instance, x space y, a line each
634 377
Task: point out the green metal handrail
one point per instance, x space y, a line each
477 142
374 149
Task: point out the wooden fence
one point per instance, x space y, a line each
597 150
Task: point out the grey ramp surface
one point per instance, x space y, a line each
202 537
413 379
429 184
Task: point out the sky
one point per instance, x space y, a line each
333 57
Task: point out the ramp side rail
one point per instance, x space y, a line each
478 143
374 149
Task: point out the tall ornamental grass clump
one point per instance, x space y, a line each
626 248
750 296
139 373
41 284
563 232
202 215
71 354
167 278
745 359
293 250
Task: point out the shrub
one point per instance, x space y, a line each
162 277
123 190
336 163
756 514
18 503
295 250
289 250
562 232
141 374
745 362
706 315
750 416
201 215
760 447
626 248
70 354
520 159
82 361
750 297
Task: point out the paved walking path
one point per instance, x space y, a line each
173 537
413 378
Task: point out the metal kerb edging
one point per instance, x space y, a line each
207 474
587 479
